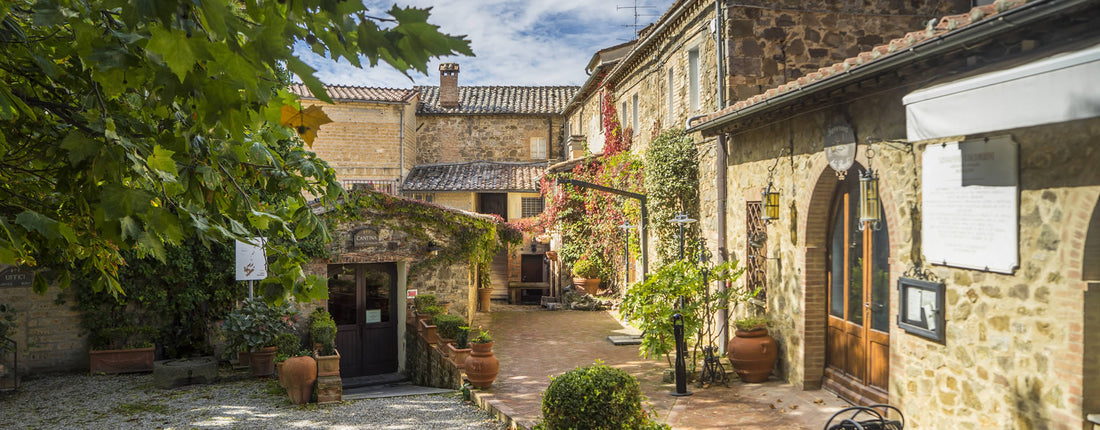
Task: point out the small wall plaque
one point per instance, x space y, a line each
920 308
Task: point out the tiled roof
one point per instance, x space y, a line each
347 93
911 41
499 100
476 176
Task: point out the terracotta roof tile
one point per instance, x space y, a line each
348 93
909 40
476 176
499 100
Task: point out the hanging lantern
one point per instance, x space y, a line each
770 198
870 206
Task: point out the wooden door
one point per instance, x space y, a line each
532 268
361 301
858 338
493 203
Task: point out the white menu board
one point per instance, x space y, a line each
251 264
970 204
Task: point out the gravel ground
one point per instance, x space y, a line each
131 401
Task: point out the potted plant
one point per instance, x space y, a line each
481 366
484 289
752 352
421 304
447 330
322 333
255 326
123 349
287 345
427 329
586 275
460 349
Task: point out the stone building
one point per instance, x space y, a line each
969 300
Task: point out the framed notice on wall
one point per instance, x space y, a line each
970 204
920 308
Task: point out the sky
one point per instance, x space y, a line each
515 42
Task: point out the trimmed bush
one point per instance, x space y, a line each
423 301
322 330
447 325
594 397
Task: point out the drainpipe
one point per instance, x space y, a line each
401 145
720 178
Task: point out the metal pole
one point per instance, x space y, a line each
251 296
681 349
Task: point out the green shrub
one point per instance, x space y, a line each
322 330
287 345
594 397
447 325
585 268
422 301
752 323
462 341
432 310
257 324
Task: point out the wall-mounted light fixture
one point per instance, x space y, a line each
432 249
870 205
770 196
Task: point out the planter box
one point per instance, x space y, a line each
328 365
113 361
458 356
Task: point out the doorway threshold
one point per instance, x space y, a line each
373 380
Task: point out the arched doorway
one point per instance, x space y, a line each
857 361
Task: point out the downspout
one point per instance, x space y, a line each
720 179
401 145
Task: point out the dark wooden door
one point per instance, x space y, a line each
858 339
361 300
532 268
493 203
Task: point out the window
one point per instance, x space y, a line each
532 206
538 148
624 119
671 98
427 197
693 75
634 114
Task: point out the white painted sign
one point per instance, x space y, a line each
373 316
970 204
251 259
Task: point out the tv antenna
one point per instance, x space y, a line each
635 10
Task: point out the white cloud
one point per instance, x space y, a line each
516 42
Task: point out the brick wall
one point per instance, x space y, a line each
460 138
48 331
363 141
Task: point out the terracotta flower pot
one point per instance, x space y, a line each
300 374
752 354
242 358
122 360
589 285
328 365
458 355
262 362
423 318
428 332
280 374
481 366
444 345
484 299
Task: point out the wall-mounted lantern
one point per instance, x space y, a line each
432 249
870 205
770 199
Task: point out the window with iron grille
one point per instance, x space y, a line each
532 206
756 249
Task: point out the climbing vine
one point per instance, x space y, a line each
672 186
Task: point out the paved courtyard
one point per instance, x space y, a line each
533 344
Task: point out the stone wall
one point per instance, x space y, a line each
769 43
363 139
1013 356
461 138
48 330
427 366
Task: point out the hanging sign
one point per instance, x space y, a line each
15 276
840 146
251 264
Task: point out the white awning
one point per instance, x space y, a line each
1061 88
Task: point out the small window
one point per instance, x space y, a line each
634 114
532 206
427 197
538 148
693 76
624 122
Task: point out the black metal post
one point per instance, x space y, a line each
681 350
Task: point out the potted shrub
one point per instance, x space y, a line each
427 329
481 366
484 289
752 352
255 326
123 349
421 304
322 333
460 349
447 330
287 345
586 275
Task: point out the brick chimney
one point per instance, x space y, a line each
448 85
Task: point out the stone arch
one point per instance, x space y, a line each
1090 273
814 231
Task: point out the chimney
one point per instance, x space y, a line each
448 85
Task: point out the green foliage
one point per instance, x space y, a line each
287 344
584 268
672 186
133 125
462 340
257 324
594 397
447 326
7 325
422 301
482 337
432 310
651 303
752 323
177 297
322 331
